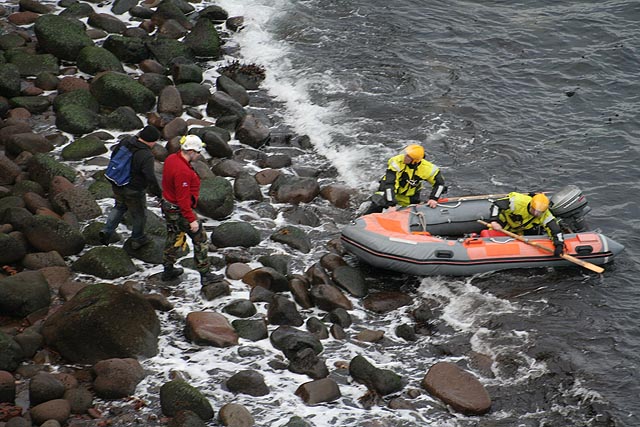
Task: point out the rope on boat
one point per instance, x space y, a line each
422 220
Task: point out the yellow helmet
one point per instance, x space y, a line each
415 151
540 202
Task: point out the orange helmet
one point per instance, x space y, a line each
540 202
415 151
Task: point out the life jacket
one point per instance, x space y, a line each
409 177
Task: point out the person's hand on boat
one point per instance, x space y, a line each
432 203
559 249
495 225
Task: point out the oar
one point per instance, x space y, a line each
465 198
587 265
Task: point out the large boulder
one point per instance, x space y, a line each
113 89
11 353
10 80
78 200
28 141
105 262
193 93
127 49
77 112
457 388
294 237
43 168
103 321
117 378
46 233
203 39
382 381
30 65
11 250
235 233
94 59
23 294
9 170
252 132
61 36
216 198
177 395
294 189
81 148
164 50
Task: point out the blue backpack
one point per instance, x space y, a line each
119 168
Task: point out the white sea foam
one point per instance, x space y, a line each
291 86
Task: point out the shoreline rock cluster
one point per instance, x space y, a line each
61 77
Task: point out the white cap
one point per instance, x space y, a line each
191 142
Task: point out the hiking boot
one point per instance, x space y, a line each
138 243
105 238
209 277
170 272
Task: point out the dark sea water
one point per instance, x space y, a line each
504 95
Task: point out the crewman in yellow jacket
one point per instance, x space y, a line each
402 182
520 212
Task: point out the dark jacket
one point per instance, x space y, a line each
142 166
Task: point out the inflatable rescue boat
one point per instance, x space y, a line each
449 240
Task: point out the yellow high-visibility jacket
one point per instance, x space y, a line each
407 179
512 212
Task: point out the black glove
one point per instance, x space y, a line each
559 250
390 196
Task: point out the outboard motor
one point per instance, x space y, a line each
569 206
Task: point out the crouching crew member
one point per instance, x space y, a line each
519 212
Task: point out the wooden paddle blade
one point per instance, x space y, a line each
587 265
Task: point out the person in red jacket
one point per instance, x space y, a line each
180 192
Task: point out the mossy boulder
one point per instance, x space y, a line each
203 39
42 168
61 36
106 262
94 59
177 395
9 80
11 353
11 250
80 98
193 93
32 64
24 293
118 90
33 104
103 321
127 49
216 198
165 50
77 120
47 233
77 112
82 148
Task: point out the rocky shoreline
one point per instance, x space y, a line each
69 343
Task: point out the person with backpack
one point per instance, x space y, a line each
131 172
180 193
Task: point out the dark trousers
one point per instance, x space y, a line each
177 229
134 202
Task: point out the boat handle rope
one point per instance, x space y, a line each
448 206
421 220
492 239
